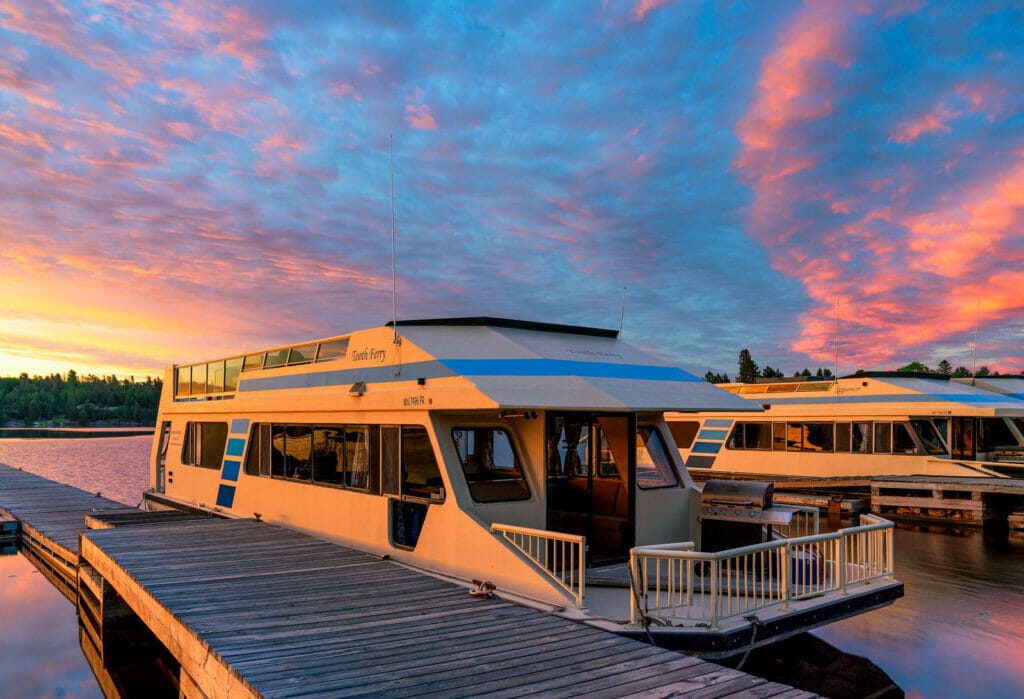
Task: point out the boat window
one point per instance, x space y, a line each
215 377
883 438
257 460
930 436
861 434
751 435
296 450
779 436
184 382
490 464
232 369
653 466
198 379
810 436
902 441
328 455
994 433
421 476
204 444
335 349
843 434
301 355
684 432
276 358
253 362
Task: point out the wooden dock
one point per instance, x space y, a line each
949 500
965 501
249 609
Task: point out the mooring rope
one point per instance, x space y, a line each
754 624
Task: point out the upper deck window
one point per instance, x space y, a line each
490 464
276 358
335 349
253 362
301 355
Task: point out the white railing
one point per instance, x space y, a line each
673 584
561 557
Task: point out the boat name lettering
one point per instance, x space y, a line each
414 400
592 353
370 353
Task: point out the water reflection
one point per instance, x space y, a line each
959 630
39 652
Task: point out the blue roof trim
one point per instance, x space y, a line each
566 367
466 367
346 377
962 398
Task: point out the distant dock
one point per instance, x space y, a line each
944 500
242 608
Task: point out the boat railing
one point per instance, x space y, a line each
804 521
675 585
560 557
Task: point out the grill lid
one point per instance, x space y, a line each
755 495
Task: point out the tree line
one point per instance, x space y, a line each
750 372
74 400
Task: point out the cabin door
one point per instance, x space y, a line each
161 457
962 443
591 476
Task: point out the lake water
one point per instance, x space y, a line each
958 632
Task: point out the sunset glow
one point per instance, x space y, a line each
184 180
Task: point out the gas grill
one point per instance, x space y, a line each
738 513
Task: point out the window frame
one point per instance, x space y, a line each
520 479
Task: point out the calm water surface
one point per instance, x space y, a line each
958 632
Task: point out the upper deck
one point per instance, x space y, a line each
882 393
460 362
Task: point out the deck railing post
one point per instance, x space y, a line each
784 575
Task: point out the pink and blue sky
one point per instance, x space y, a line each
182 180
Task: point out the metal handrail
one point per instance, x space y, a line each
559 556
674 583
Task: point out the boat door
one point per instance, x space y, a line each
161 457
591 476
962 442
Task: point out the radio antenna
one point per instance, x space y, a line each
974 366
837 338
622 313
394 272
396 338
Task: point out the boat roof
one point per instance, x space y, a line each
883 388
1010 386
507 363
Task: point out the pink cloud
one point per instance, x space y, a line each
643 7
893 271
24 137
419 117
225 31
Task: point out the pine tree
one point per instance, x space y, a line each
748 368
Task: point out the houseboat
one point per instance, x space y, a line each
865 424
526 460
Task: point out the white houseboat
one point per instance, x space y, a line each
528 460
865 424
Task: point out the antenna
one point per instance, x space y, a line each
837 337
622 313
974 366
394 273
396 339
